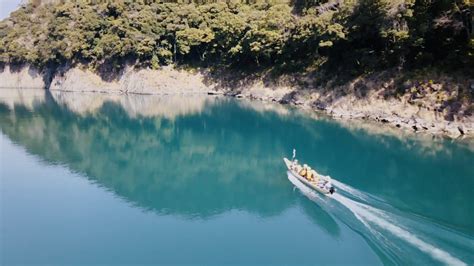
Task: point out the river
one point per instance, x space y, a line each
108 179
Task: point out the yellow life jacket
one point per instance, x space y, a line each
309 175
303 172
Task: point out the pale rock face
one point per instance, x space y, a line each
81 80
166 80
140 81
397 113
25 77
259 91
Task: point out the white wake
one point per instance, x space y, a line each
369 216
375 216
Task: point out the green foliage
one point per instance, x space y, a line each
355 35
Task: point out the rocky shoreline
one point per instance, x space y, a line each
423 110
417 125
411 123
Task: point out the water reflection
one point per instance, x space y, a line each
28 98
168 106
201 156
188 162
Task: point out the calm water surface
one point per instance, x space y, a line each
91 178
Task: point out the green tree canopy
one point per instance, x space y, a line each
353 34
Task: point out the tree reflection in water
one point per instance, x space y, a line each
200 156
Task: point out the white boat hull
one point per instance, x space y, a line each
303 180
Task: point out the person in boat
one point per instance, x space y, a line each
329 187
309 174
303 171
315 176
295 165
298 168
321 183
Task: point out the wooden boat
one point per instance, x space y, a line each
325 190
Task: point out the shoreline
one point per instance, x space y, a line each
394 113
386 125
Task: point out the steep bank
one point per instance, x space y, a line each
22 77
438 106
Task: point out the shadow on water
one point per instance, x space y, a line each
202 157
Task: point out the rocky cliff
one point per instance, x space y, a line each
22 77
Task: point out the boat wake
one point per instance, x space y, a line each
399 237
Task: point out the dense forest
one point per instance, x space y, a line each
356 36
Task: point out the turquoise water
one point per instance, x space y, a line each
144 179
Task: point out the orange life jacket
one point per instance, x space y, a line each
303 172
310 175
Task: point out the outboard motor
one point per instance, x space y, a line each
332 190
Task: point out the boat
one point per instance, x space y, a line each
324 186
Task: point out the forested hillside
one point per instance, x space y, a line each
351 36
